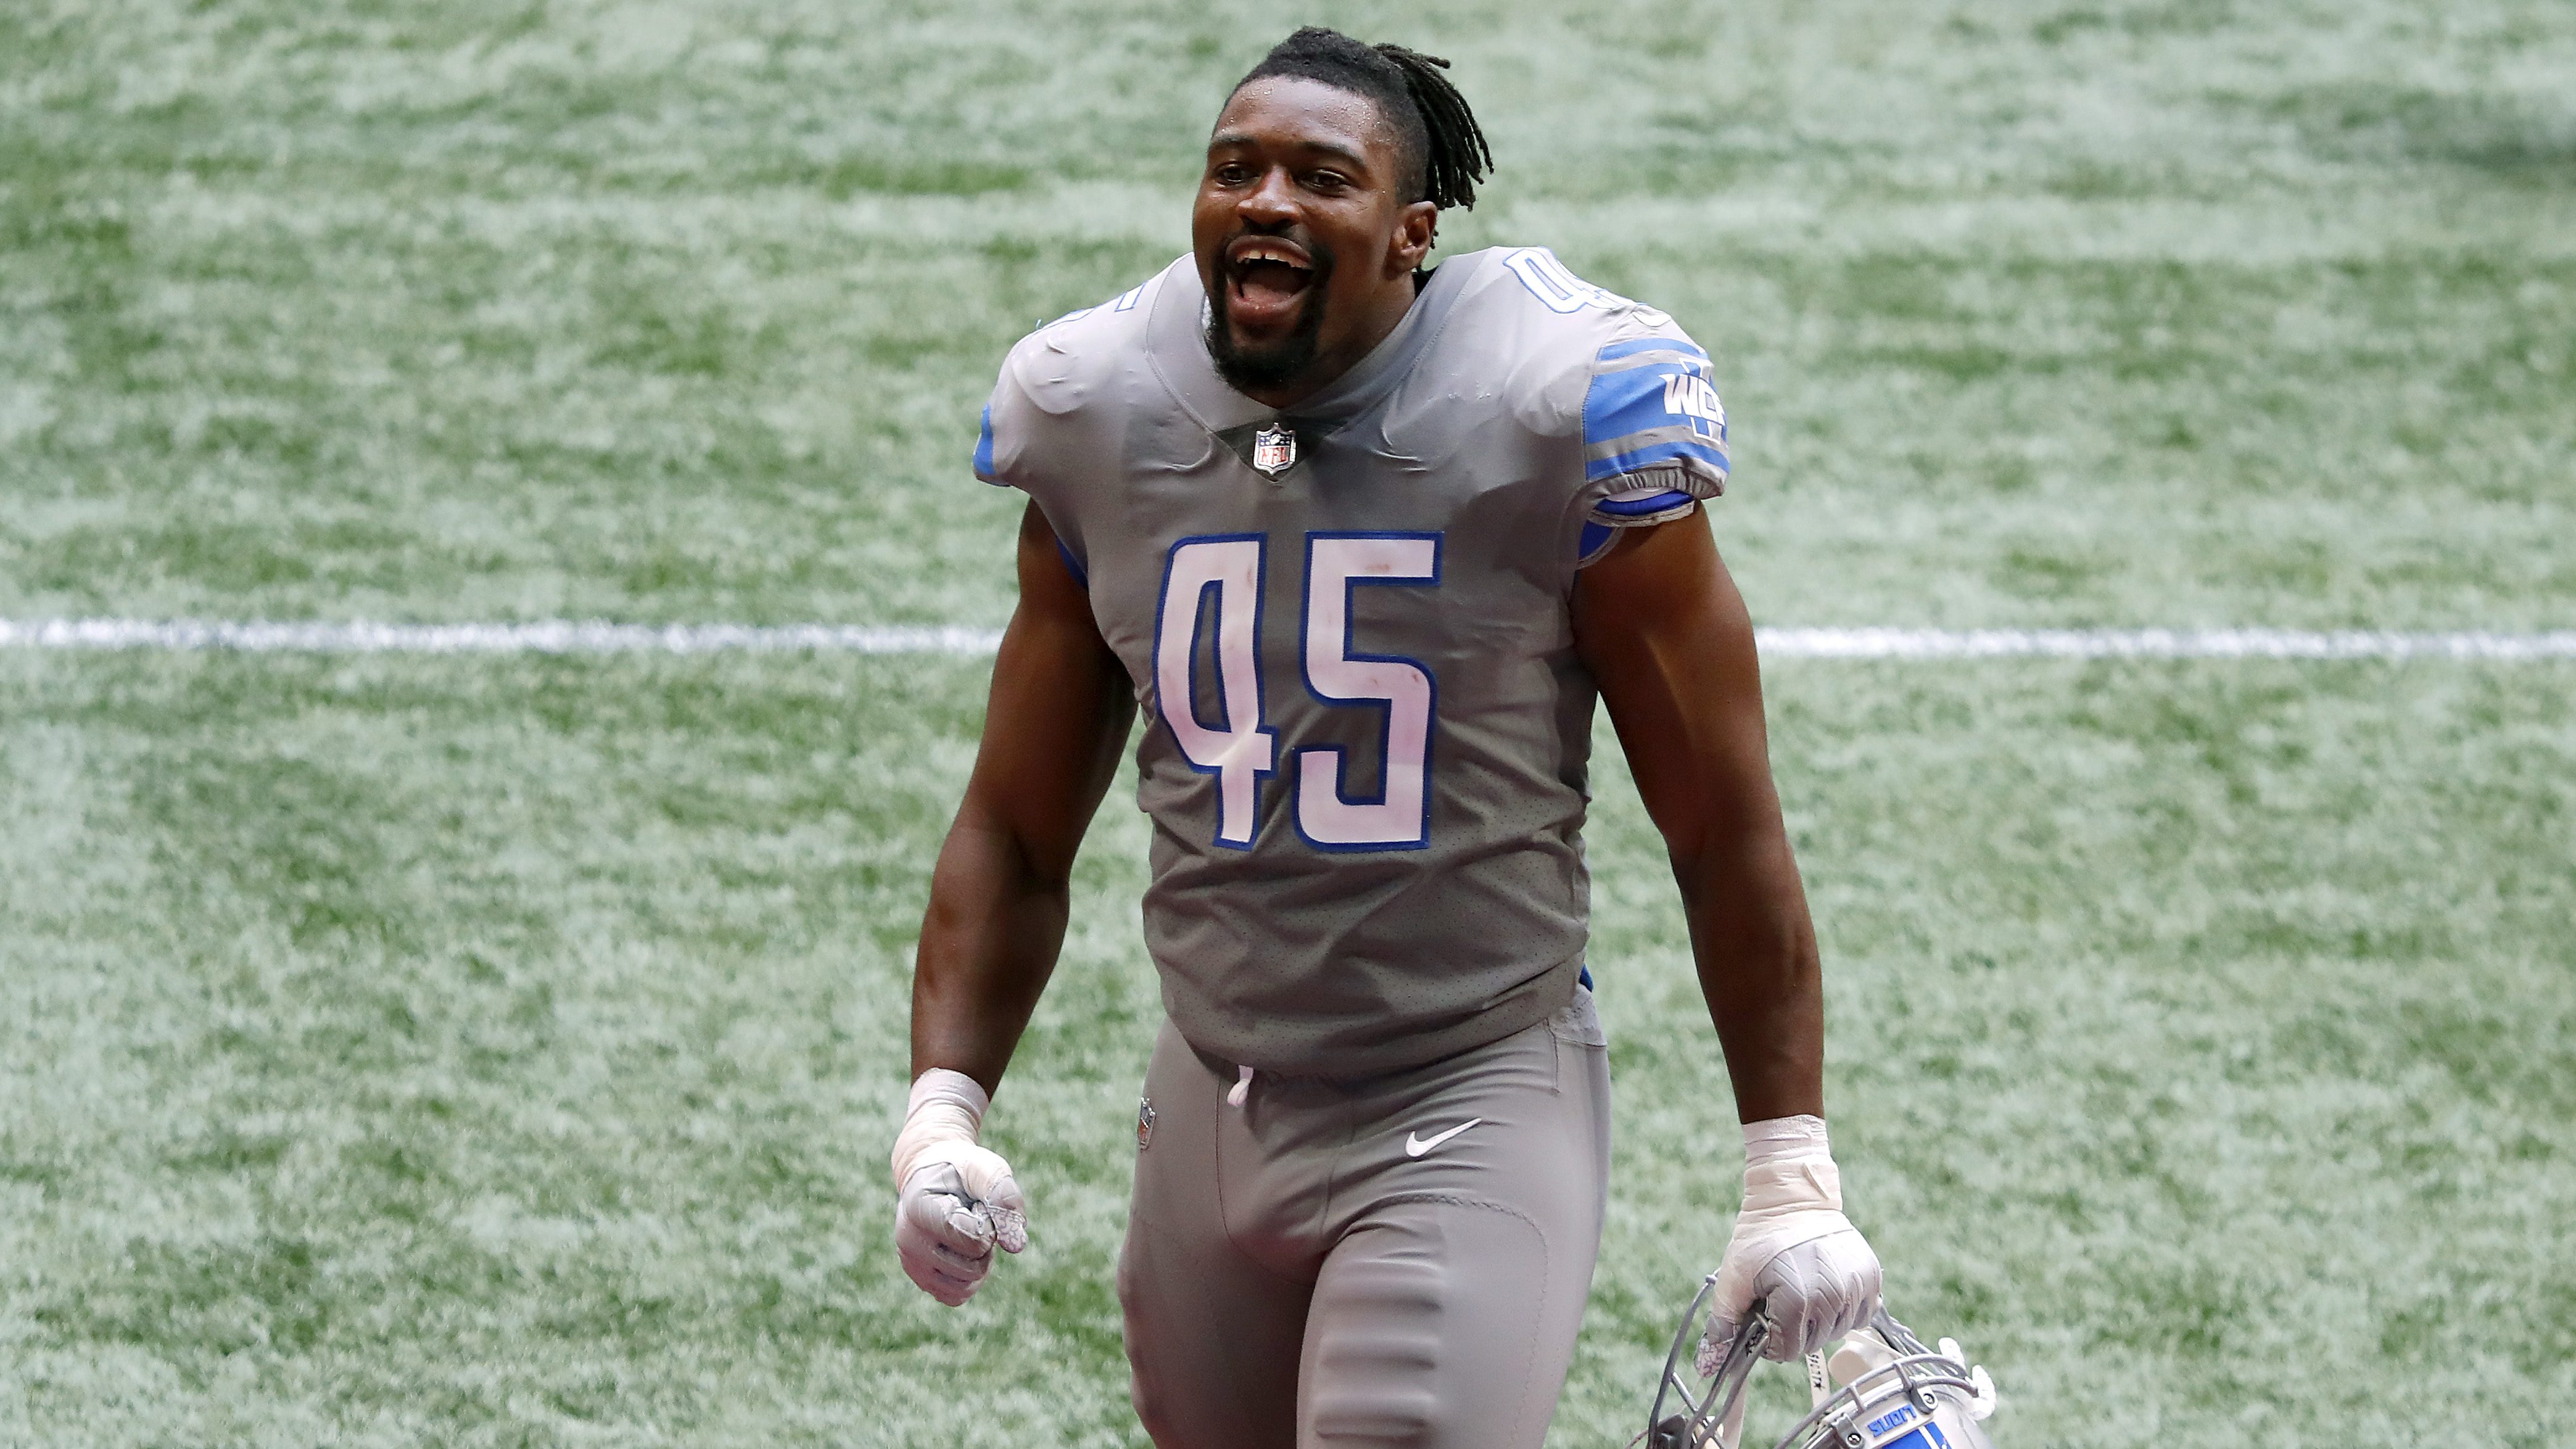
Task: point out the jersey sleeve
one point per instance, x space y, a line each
1654 436
984 466
1025 423
1034 415
1004 428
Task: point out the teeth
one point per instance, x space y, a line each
1260 253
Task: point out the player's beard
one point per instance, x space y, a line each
1282 362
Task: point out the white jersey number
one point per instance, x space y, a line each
1400 818
1239 750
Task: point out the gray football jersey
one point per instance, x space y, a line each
1365 729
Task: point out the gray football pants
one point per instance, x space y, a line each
1339 1263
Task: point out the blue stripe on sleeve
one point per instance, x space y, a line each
1072 565
1685 449
1656 395
1620 403
1595 536
1631 348
984 448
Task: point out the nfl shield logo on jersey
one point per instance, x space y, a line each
1274 451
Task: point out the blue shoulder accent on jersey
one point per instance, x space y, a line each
1650 399
1072 565
1668 392
984 448
1583 977
1654 503
1635 345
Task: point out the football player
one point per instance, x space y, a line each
1363 539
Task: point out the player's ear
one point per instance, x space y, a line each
1415 228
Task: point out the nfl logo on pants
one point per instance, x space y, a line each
1274 451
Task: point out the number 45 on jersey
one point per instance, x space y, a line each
1239 747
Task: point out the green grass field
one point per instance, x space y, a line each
502 1050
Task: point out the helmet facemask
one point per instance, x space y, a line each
1883 1389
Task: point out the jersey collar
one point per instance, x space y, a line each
1177 338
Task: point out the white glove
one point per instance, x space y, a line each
1792 1248
955 1201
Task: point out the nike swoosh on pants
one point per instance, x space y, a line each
1415 1144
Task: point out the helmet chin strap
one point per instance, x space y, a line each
1819 1389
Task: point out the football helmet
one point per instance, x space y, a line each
1883 1390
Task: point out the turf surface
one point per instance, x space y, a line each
499 1051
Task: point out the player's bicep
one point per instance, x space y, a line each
1660 624
1057 715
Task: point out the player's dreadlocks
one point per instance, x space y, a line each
1444 148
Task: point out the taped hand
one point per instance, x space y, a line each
955 1200
1792 1247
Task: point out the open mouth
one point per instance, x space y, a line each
1265 277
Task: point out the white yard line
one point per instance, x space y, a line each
560 636
2159 644
546 636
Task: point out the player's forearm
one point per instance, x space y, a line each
988 943
1058 711
1756 952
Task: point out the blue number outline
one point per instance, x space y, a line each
1384 706
1260 708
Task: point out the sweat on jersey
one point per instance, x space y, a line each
1365 730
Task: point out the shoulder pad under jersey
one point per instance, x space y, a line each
1054 370
1637 387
